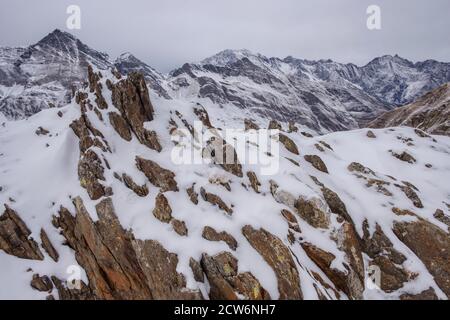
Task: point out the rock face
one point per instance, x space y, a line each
130 97
117 265
431 245
158 176
222 273
316 162
15 237
279 258
430 113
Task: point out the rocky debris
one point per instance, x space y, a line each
179 227
162 210
274 125
292 127
421 133
428 294
431 245
291 220
160 269
130 96
141 191
15 237
65 293
404 156
43 284
442 217
288 143
355 166
314 212
319 147
224 155
83 129
120 125
293 162
203 116
221 181
254 182
306 134
48 247
90 171
326 145
211 234
117 265
411 194
215 200
250 125
96 87
225 280
193 196
278 256
316 162
378 247
197 270
42 132
158 176
370 134
336 205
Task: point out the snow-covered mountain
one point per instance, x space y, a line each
322 95
93 186
430 113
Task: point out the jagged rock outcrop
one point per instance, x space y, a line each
15 237
158 176
278 256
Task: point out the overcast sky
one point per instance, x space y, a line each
168 33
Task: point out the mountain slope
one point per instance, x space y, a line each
430 113
324 96
143 225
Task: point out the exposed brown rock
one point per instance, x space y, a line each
290 218
274 125
215 200
312 211
211 234
130 96
250 125
15 237
306 134
358 167
224 155
117 265
316 162
42 284
141 191
428 294
442 217
179 227
392 277
84 293
292 127
203 116
431 245
90 171
225 281
319 147
370 134
192 194
162 210
278 256
411 194
326 145
120 125
337 206
48 247
197 270
404 156
288 143
254 182
158 176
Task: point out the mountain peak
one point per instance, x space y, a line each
56 37
230 56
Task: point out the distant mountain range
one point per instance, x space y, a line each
323 95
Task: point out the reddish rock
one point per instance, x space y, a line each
158 176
